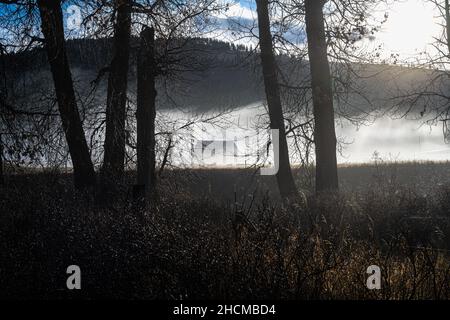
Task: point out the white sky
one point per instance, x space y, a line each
409 30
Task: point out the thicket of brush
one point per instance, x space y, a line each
194 247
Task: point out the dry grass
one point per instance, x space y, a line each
243 244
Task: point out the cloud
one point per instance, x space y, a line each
235 24
237 10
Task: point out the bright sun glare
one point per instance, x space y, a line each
410 29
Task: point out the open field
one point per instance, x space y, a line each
224 234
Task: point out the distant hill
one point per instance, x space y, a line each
209 75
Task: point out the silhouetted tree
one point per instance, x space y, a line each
53 31
284 176
114 149
146 112
430 97
1 161
324 130
434 96
3 88
347 23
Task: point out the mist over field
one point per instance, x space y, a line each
231 89
223 150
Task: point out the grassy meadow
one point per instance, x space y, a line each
223 233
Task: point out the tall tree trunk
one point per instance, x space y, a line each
447 24
284 176
3 95
114 149
324 132
53 31
2 179
146 113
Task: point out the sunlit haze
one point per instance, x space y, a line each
410 29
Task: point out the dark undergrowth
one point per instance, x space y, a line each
192 245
